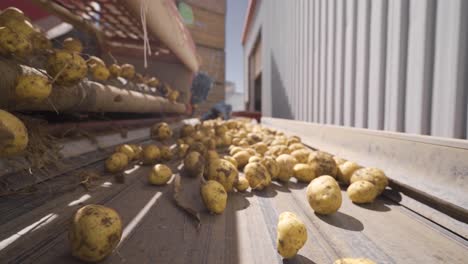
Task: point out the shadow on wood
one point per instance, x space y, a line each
342 220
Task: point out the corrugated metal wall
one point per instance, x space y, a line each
398 65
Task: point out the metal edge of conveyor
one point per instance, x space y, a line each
427 174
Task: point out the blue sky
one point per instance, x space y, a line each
236 10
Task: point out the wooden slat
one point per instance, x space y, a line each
450 67
377 63
339 62
330 75
208 28
350 60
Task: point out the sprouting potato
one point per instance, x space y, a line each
151 154
372 175
291 235
257 176
223 172
324 195
214 196
194 164
161 131
117 162
94 233
127 71
323 163
301 155
362 192
14 135
32 88
242 185
160 174
272 166
286 164
72 45
71 67
304 172
346 170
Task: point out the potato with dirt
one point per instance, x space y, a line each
303 172
301 155
214 196
373 175
68 68
323 163
231 159
222 171
286 165
13 135
127 71
354 261
255 159
260 148
94 233
13 43
272 166
160 174
151 154
346 170
161 131
115 70
324 195
242 158
117 162
362 192
198 147
186 130
209 143
242 185
257 176
194 164
291 235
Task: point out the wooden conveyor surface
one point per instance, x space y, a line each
156 231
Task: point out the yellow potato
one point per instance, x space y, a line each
198 136
221 130
67 67
255 159
339 160
160 174
257 176
304 172
362 192
242 185
173 95
209 143
72 45
11 13
117 162
153 82
161 131
198 147
372 175
39 42
242 158
324 195
194 164
286 164
186 130
94 233
94 61
272 166
151 154
214 196
323 163
234 150
226 140
188 140
223 172
12 42
276 151
211 155
182 150
260 148
22 27
295 146
291 235
127 71
32 88
293 140
127 150
13 135
100 72
353 261
346 170
231 159
166 153
138 151
301 155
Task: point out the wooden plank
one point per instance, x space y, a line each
395 84
450 67
362 63
350 61
330 75
208 28
377 57
339 62
217 6
421 40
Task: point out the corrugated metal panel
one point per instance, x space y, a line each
398 65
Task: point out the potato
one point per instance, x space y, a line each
100 72
127 71
211 155
286 164
223 172
323 163
236 141
151 154
188 140
160 174
138 151
291 235
153 82
68 68
251 151
214 196
339 160
209 143
362 192
173 96
353 261
13 135
346 170
115 70
117 162
372 175
257 176
186 130
301 155
22 27
72 45
272 166
221 130
12 42
324 195
293 140
254 138
234 150
276 151
182 150
260 148
242 185
166 153
32 88
231 159
194 164
94 233
304 172
93 61
40 42
11 13
255 159
198 147
198 136
242 158
226 140
127 150
161 131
